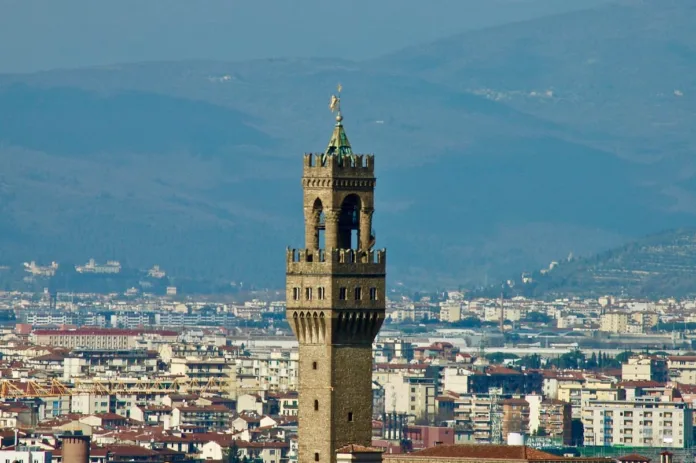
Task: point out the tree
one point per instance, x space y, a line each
234 455
623 357
531 361
468 322
537 317
573 360
592 363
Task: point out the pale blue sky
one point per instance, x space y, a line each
46 34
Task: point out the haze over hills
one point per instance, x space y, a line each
498 150
657 266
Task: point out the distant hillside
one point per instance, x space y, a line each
497 151
660 265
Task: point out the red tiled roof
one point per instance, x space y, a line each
514 402
102 332
640 383
109 416
489 452
495 370
686 388
53 357
204 408
130 450
633 457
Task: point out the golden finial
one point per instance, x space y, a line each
335 105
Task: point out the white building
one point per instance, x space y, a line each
26 455
451 311
456 379
642 422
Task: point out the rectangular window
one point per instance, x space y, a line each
321 293
308 294
373 294
342 294
296 294
358 293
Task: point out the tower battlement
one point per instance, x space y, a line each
342 261
332 165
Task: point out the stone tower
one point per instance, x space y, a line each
336 299
75 447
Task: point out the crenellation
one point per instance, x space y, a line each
330 165
340 261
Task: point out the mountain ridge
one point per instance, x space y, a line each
471 184
657 266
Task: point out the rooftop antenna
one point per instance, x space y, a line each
502 314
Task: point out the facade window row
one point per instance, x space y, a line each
342 293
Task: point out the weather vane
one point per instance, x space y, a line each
335 105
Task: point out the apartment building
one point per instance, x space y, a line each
593 388
614 322
26 455
682 368
551 418
270 371
393 349
96 338
109 363
456 379
515 416
212 374
512 313
509 381
213 418
156 415
473 418
646 320
642 422
450 311
645 368
408 389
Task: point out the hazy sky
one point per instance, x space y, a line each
45 34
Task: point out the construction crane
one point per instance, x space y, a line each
496 416
54 388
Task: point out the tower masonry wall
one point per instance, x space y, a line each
336 260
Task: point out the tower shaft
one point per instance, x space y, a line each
336 301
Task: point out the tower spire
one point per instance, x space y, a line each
338 144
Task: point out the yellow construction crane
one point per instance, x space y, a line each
54 388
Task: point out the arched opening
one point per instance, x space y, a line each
316 224
349 222
316 405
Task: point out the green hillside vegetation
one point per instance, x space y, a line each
660 265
